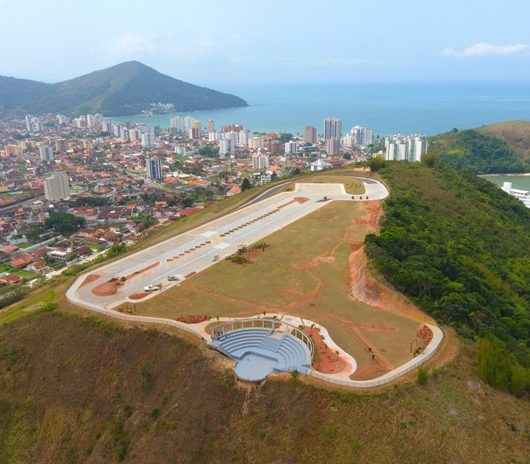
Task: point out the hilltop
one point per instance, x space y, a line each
480 151
124 89
452 242
515 133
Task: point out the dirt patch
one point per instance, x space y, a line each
108 288
111 287
372 216
89 279
138 296
193 318
326 360
301 200
367 289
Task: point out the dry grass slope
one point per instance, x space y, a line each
85 391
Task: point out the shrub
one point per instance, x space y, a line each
423 376
500 369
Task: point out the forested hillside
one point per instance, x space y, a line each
478 152
460 248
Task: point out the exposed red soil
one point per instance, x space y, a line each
111 287
367 289
301 200
374 211
326 360
89 279
137 296
108 288
193 318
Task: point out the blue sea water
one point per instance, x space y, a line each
387 108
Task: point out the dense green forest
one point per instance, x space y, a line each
477 152
460 248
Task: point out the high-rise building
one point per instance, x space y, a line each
211 125
46 153
29 126
361 136
291 148
57 187
225 147
333 146
332 128
310 135
260 162
244 136
405 147
148 139
195 130
153 167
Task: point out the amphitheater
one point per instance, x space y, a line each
263 346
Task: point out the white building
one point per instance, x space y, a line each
148 139
57 187
405 147
244 137
319 165
291 148
260 162
361 136
225 147
46 153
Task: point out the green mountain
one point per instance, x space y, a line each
124 89
515 133
502 148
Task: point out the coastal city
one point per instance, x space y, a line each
71 188
265 232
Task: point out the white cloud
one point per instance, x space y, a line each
138 46
133 45
485 49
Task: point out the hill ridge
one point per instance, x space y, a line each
123 89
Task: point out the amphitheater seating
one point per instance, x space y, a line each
259 352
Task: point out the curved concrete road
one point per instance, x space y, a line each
195 250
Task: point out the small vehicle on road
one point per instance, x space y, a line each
152 288
173 278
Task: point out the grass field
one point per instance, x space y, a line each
304 272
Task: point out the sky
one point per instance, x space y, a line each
233 42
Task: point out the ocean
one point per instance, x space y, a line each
387 108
